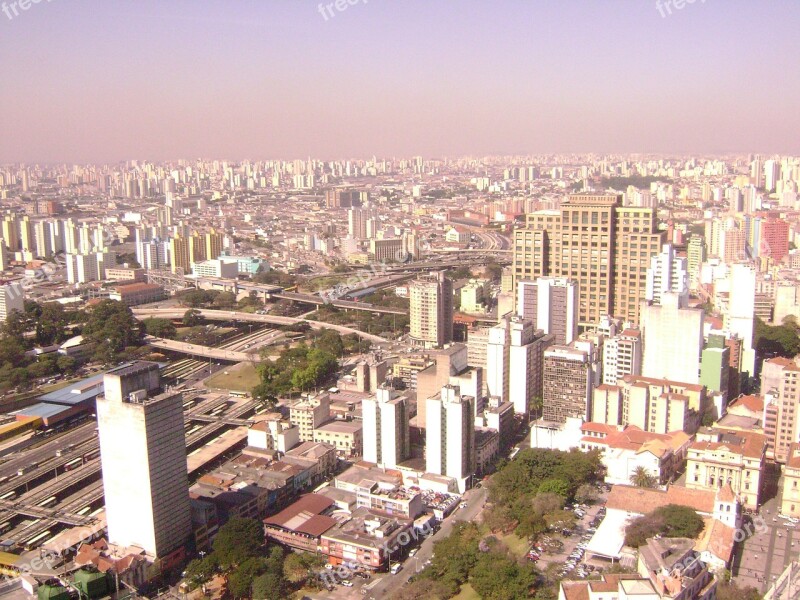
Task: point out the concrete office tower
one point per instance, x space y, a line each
12 297
732 242
740 316
450 436
695 256
595 241
431 310
673 340
551 303
143 454
386 437
667 273
567 384
622 355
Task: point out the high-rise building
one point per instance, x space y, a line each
357 222
450 436
551 303
143 451
345 197
12 298
596 242
673 339
695 256
386 432
514 362
11 232
153 254
431 310
26 235
622 355
739 317
772 170
667 273
567 383
180 254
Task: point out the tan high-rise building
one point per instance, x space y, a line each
11 232
595 241
180 255
431 310
214 244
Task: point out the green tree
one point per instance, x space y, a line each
201 570
730 591
192 318
642 478
269 586
51 324
66 364
497 577
586 493
240 581
161 328
671 520
555 486
111 328
238 540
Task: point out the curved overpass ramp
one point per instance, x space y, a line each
229 315
197 350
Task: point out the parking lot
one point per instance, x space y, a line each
571 553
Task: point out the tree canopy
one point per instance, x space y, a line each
671 520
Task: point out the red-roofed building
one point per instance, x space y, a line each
301 524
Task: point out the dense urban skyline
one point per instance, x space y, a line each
103 82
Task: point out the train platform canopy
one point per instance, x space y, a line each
50 414
79 392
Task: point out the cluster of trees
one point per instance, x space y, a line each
672 520
162 328
778 340
109 328
250 570
213 299
465 556
296 369
275 278
528 493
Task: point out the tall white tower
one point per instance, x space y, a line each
386 436
143 452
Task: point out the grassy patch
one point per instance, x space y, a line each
467 593
518 546
242 377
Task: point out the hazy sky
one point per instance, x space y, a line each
108 80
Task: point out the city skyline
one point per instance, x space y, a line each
102 82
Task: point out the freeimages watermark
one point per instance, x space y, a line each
15 7
329 10
665 7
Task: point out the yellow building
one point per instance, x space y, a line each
725 456
790 502
180 254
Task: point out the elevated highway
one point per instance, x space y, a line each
197 350
228 315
